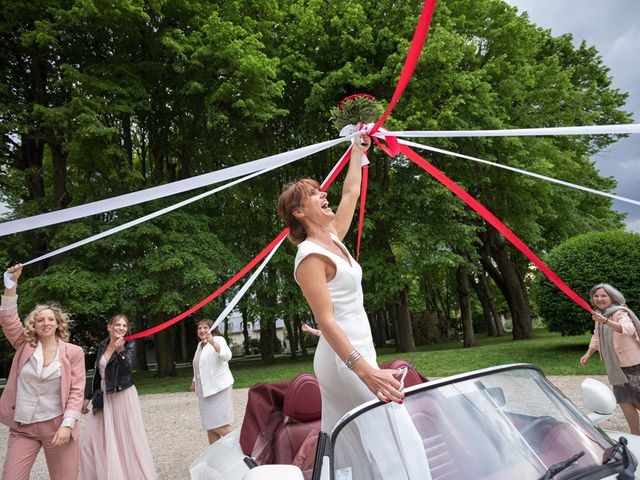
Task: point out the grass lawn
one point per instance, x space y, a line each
554 354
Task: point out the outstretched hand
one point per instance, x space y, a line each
15 271
11 278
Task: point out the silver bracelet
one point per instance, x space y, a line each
352 359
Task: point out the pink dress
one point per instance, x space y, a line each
114 445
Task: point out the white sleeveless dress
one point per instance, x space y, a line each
394 441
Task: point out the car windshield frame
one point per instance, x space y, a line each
556 397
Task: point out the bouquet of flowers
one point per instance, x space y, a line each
355 110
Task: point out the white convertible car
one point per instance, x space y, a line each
500 423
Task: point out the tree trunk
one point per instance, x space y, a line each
164 353
245 327
141 355
382 327
267 334
296 339
462 286
183 342
393 320
405 331
377 329
59 160
484 285
127 138
509 281
487 315
157 156
288 321
267 320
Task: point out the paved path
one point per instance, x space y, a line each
173 426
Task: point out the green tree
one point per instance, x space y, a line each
584 261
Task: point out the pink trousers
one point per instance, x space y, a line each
24 444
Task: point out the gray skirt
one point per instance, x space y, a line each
215 410
630 391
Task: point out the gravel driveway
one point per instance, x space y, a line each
173 426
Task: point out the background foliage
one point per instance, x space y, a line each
599 257
102 98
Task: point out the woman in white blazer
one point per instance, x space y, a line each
212 381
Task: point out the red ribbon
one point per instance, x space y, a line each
495 222
150 331
420 35
215 294
412 59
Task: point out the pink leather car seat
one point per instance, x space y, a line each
447 451
296 438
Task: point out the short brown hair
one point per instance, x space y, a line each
290 199
209 323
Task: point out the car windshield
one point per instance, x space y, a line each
498 425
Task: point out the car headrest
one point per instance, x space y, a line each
302 401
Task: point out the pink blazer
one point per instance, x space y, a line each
72 371
626 344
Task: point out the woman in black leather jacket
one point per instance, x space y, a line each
114 445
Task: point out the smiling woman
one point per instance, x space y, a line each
345 360
616 337
42 400
114 443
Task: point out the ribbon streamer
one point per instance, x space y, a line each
524 172
419 37
422 29
275 242
158 213
495 222
238 296
161 191
215 294
525 132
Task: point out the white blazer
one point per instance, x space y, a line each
214 367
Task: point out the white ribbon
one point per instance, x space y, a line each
9 283
238 296
518 170
525 132
232 304
161 191
143 219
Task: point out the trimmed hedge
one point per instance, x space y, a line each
583 261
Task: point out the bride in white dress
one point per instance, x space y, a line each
345 359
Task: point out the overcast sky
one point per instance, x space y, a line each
613 27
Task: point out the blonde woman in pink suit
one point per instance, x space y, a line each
42 399
616 338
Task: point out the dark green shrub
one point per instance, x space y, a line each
582 262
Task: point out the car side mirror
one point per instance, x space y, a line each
599 400
274 472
